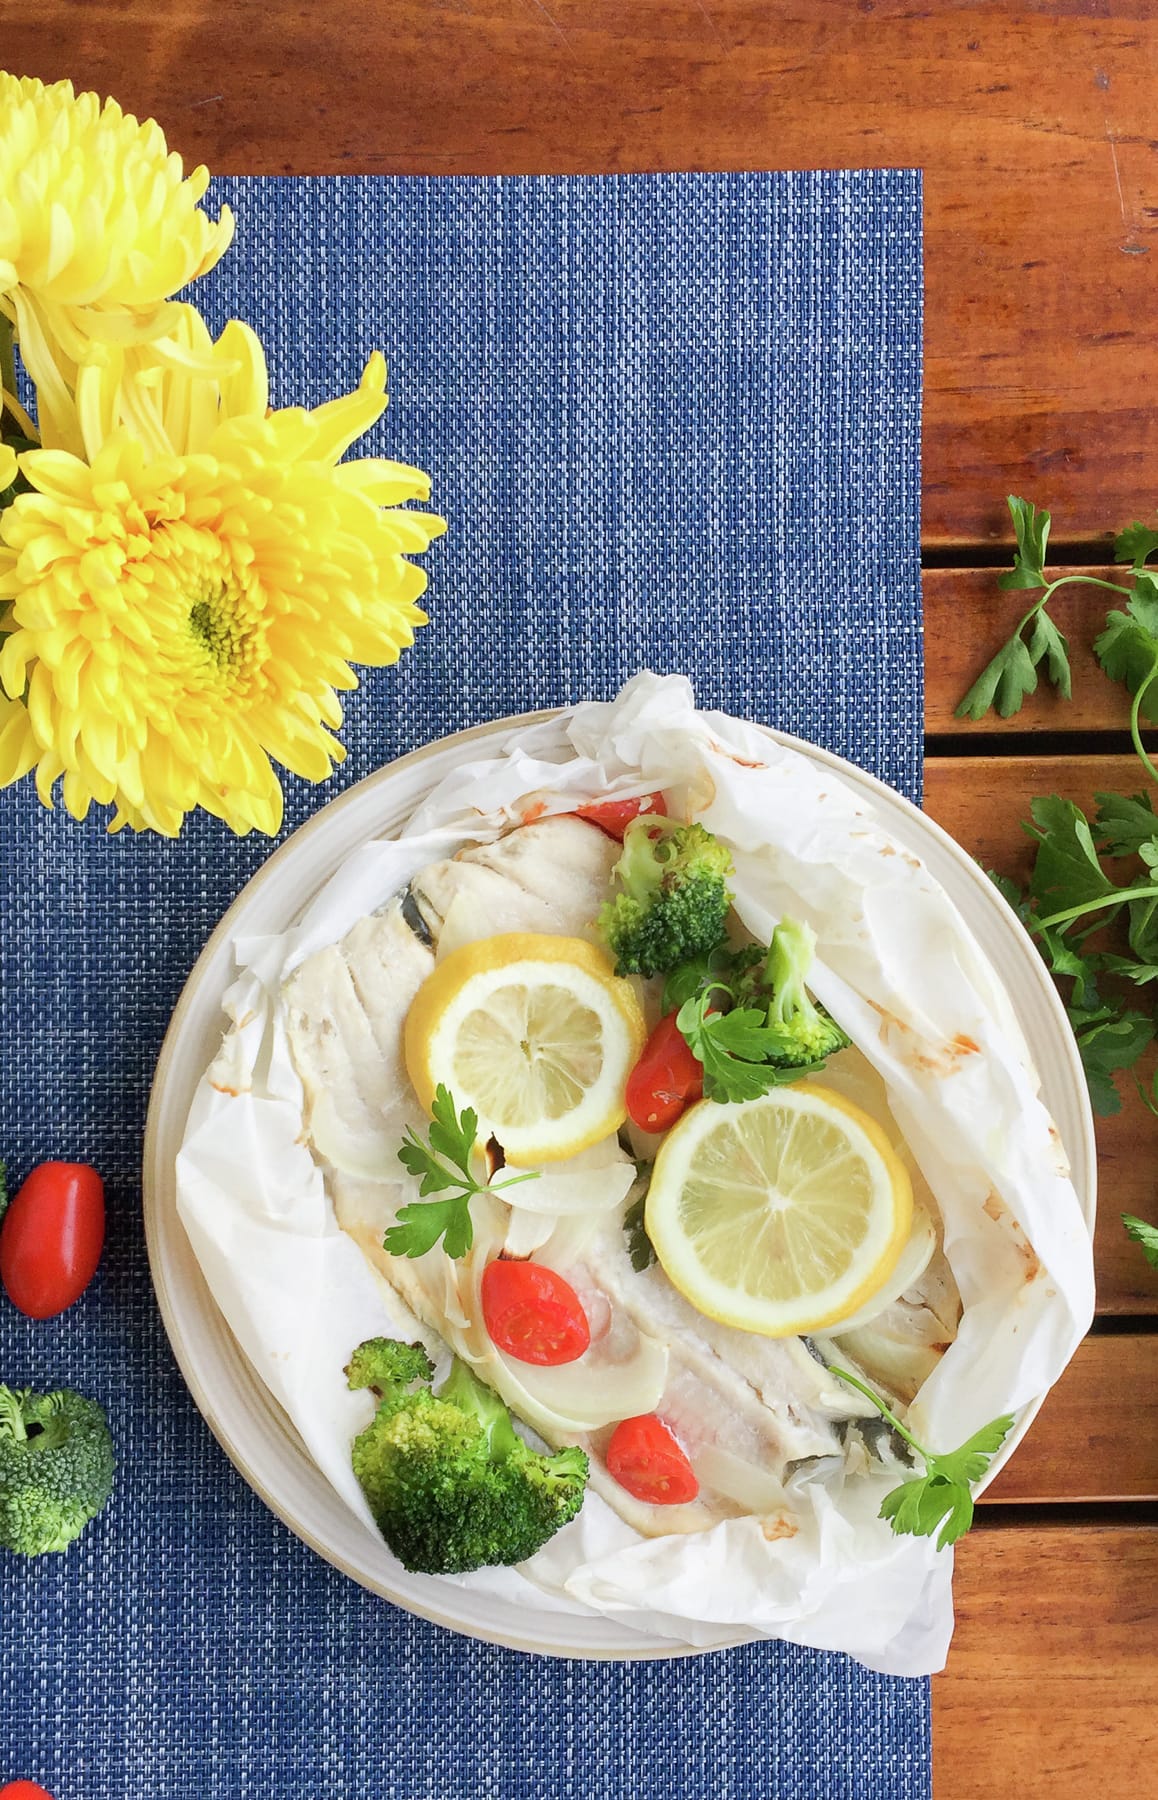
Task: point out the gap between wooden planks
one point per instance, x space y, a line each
1049 1690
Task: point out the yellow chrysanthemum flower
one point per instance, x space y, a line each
178 617
99 226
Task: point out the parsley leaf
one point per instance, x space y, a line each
1128 648
1005 682
1109 1038
1047 643
1011 894
943 1496
1144 1234
1125 822
1066 867
716 969
732 1047
1031 529
1008 680
639 1246
1136 544
420 1224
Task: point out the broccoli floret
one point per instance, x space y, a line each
806 1033
56 1468
450 1483
674 899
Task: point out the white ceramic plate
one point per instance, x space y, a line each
248 1424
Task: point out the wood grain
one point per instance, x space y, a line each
968 618
1049 1690
1096 1437
982 800
1033 125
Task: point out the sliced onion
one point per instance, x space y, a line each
583 1395
595 1181
902 1366
368 1150
914 1260
757 1490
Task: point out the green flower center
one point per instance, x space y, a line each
214 625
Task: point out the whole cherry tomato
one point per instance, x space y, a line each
51 1238
665 1080
24 1790
645 1459
533 1314
614 816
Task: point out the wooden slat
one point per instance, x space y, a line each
1033 126
1096 1437
982 801
1049 1691
967 619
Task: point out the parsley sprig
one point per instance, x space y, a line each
444 1167
1012 674
733 1046
943 1495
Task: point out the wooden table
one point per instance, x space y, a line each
1036 135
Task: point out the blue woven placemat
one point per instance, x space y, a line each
673 422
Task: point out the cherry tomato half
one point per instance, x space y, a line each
51 1238
533 1314
614 816
645 1459
24 1790
665 1080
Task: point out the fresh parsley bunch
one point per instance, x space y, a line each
1092 898
1096 926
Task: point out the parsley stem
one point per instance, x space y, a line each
883 1410
1075 912
494 1187
1135 731
1111 587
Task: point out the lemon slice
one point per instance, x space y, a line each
780 1215
536 1033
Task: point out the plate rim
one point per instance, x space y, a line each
495 731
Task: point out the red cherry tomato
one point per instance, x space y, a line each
51 1238
533 1314
645 1459
614 816
665 1080
24 1790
